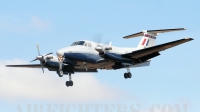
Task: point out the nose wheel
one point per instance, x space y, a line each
70 82
60 73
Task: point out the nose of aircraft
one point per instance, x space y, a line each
60 53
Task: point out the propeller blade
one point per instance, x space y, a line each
97 37
38 49
48 54
110 44
42 66
33 60
42 69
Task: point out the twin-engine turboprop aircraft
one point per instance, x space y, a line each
88 56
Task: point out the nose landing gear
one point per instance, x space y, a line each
60 73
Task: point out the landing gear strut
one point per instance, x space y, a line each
60 71
70 82
128 74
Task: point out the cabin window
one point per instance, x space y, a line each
89 45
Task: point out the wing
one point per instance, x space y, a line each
26 66
154 51
50 69
83 70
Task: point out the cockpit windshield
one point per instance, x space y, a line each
78 43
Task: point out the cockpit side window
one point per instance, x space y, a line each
73 44
78 43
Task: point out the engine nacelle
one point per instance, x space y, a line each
43 58
108 48
49 56
40 58
99 48
102 49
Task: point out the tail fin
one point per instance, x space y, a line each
147 40
149 36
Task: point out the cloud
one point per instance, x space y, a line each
24 25
40 24
32 84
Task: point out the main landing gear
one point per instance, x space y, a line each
128 74
70 82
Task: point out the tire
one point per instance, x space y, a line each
71 83
60 73
125 75
67 83
129 75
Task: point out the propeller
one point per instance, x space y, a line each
103 48
42 58
38 49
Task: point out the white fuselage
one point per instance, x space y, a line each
86 53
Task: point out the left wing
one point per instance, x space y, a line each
26 66
50 69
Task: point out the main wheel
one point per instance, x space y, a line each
67 83
71 83
125 75
129 75
60 73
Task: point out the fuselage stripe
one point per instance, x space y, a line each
147 42
144 41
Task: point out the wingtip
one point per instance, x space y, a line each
124 37
187 38
7 65
180 28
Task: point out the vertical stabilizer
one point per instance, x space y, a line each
148 40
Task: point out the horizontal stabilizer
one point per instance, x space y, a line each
155 32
